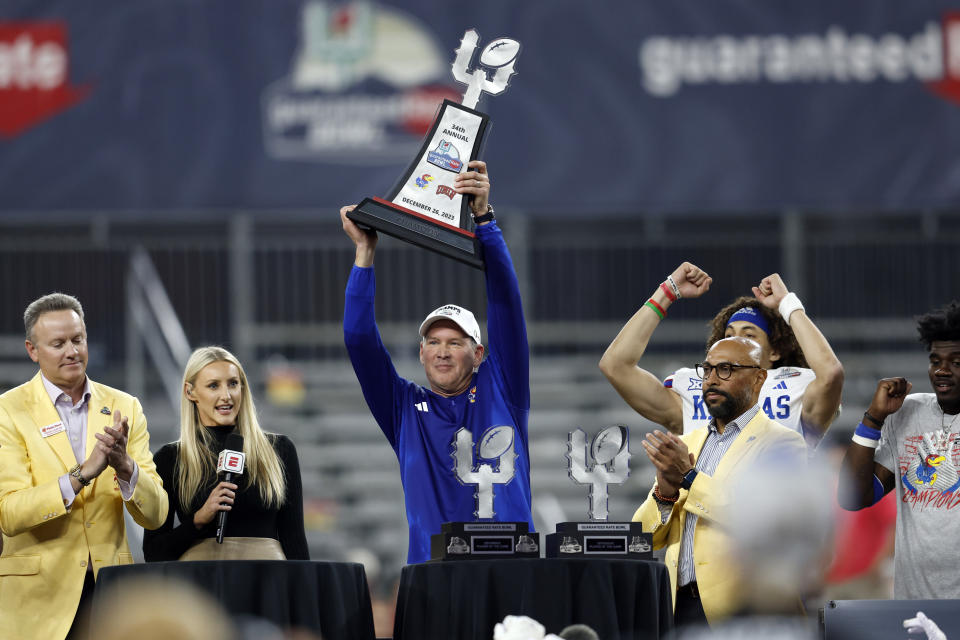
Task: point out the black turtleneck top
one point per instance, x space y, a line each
250 517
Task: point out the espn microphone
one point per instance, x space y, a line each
229 465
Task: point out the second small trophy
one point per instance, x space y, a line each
597 538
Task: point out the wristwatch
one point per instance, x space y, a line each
486 217
75 472
688 479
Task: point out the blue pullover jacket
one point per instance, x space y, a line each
421 425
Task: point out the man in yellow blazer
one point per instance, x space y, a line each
687 509
73 453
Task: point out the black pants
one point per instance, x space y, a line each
688 610
78 631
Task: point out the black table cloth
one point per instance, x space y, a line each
329 598
463 600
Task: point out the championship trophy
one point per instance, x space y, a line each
598 538
422 208
478 540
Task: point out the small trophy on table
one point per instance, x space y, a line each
478 540
422 208
610 450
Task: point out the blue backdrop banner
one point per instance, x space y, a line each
617 106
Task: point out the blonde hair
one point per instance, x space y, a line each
196 463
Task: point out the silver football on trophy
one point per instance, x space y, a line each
494 442
500 52
608 443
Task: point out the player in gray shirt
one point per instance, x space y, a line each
911 443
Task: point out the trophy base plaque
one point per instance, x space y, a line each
600 540
417 229
484 540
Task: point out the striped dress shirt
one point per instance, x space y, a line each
714 447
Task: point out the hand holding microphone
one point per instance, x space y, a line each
229 466
220 499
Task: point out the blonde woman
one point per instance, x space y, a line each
266 502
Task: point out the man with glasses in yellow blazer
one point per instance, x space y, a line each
687 511
73 455
687 508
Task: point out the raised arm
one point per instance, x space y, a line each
508 348
364 241
821 401
641 389
863 481
371 362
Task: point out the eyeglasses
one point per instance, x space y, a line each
724 369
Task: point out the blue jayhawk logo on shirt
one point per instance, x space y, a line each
927 471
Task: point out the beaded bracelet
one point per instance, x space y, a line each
660 498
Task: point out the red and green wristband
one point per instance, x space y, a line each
657 309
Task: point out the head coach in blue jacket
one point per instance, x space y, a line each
471 387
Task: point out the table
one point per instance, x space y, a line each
330 598
619 599
881 619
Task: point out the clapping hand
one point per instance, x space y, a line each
112 443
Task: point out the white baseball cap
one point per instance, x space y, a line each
463 318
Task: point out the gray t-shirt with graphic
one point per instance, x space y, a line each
921 447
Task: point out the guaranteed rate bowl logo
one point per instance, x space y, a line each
363 87
446 156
